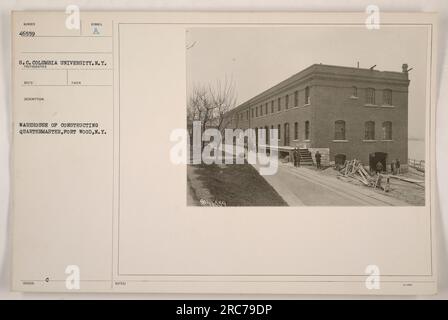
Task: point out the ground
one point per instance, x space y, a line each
242 185
411 193
304 186
229 185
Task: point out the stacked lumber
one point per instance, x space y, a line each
355 169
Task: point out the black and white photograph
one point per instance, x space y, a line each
335 115
255 154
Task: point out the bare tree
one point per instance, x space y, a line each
210 104
223 96
200 107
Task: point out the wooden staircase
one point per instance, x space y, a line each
305 157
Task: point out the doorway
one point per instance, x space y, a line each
376 157
339 159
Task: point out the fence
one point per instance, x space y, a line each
417 164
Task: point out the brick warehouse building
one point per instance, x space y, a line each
343 112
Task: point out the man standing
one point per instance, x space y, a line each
393 167
379 167
318 156
296 157
397 165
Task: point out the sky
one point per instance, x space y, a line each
256 58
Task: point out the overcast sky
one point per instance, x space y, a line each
259 57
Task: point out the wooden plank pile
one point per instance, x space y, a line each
355 169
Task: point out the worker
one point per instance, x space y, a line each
296 156
393 167
318 156
379 167
397 165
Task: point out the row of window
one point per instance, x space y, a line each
370 94
369 130
286 131
339 130
264 109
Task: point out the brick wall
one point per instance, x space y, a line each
331 99
334 102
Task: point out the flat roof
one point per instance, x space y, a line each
327 69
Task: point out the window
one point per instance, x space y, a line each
272 132
387 97
369 130
266 108
256 111
279 128
307 130
370 96
279 104
272 106
247 114
287 102
355 92
252 112
261 110
286 142
387 130
307 95
296 99
339 130
296 131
